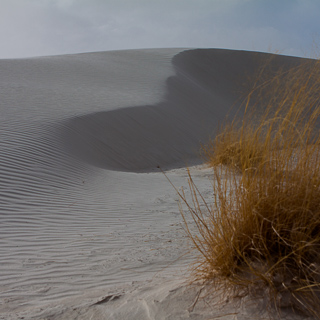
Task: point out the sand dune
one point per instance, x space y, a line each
82 204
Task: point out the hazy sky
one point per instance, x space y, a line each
49 27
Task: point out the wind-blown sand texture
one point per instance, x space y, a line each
85 214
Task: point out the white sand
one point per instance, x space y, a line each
84 213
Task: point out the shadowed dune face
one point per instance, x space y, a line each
38 95
208 86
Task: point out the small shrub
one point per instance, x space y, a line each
263 229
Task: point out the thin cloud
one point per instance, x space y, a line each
45 27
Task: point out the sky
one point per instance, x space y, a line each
51 27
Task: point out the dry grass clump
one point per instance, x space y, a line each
263 229
228 148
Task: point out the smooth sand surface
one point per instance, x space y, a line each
84 211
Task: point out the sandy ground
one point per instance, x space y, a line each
89 227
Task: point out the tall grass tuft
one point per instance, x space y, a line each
263 230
